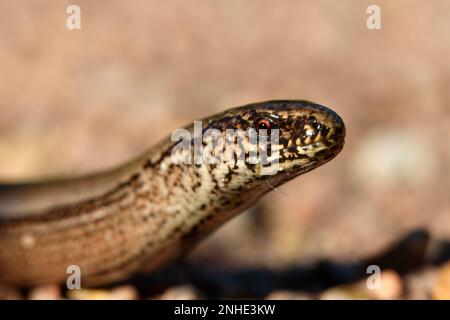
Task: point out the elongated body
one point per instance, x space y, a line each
138 216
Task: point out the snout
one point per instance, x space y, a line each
324 125
339 128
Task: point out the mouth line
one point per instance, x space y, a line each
312 149
312 146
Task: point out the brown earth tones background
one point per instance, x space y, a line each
76 101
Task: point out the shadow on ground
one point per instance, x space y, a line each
414 251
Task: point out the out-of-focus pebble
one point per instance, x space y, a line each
419 285
9 293
348 292
119 293
288 295
391 287
442 288
47 292
185 292
89 294
125 293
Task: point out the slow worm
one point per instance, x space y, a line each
144 213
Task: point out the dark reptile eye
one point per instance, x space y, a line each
263 123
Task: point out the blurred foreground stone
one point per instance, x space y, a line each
120 293
442 289
419 285
288 295
184 292
391 288
47 292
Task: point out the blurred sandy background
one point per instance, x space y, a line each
76 101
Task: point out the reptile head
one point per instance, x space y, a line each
300 136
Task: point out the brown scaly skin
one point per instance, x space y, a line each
145 213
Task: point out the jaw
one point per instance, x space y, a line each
296 163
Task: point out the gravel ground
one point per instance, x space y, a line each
76 101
